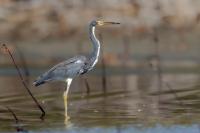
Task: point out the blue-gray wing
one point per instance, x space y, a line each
66 69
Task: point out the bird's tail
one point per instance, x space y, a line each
38 82
44 78
41 80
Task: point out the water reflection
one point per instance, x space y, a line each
118 111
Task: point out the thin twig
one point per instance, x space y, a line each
18 127
126 53
104 80
87 87
24 64
159 70
23 82
172 90
14 115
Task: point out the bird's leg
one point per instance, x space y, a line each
68 81
65 103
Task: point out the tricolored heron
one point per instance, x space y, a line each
67 70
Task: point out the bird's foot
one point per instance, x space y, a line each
66 122
67 117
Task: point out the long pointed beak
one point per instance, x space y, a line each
101 23
107 23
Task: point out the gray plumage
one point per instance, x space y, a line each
75 66
67 70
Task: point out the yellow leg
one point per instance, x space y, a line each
65 104
68 81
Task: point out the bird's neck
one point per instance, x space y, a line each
96 46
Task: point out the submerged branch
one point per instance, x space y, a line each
104 80
23 81
87 87
18 127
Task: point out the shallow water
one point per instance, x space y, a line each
137 102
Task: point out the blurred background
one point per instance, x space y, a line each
148 72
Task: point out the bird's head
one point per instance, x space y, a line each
101 23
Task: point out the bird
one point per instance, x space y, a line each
67 70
